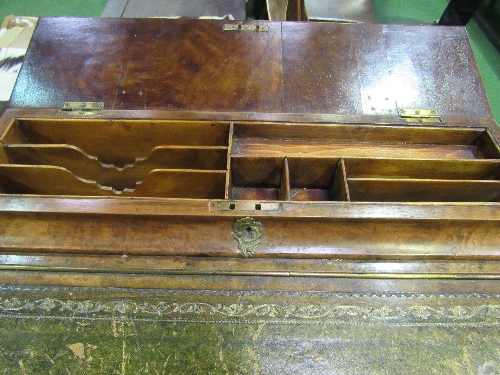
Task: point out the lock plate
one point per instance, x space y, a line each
248 206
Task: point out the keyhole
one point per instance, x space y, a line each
248 232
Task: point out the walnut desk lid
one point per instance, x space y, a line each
152 64
299 68
375 69
281 143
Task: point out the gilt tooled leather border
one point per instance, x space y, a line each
250 307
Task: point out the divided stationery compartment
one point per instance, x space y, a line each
365 179
249 161
288 179
410 180
115 157
372 141
364 163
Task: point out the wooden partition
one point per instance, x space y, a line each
112 158
249 161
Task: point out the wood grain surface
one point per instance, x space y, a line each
342 69
116 141
375 69
153 63
90 168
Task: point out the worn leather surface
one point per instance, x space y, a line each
97 330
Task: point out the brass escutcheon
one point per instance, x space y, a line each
247 232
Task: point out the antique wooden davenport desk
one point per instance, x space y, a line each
216 197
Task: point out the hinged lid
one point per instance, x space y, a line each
152 64
347 70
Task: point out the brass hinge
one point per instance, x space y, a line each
420 115
246 27
82 108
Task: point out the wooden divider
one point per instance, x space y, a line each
90 168
166 183
249 161
117 142
168 159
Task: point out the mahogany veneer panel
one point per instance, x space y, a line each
284 237
151 63
375 69
340 69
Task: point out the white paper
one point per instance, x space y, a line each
10 64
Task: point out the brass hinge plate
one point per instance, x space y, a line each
82 108
420 115
246 27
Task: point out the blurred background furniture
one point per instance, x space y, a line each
339 10
318 10
176 9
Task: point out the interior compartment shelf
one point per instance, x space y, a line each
363 141
90 168
117 142
294 179
257 178
317 179
249 161
365 179
458 169
165 159
51 180
396 190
